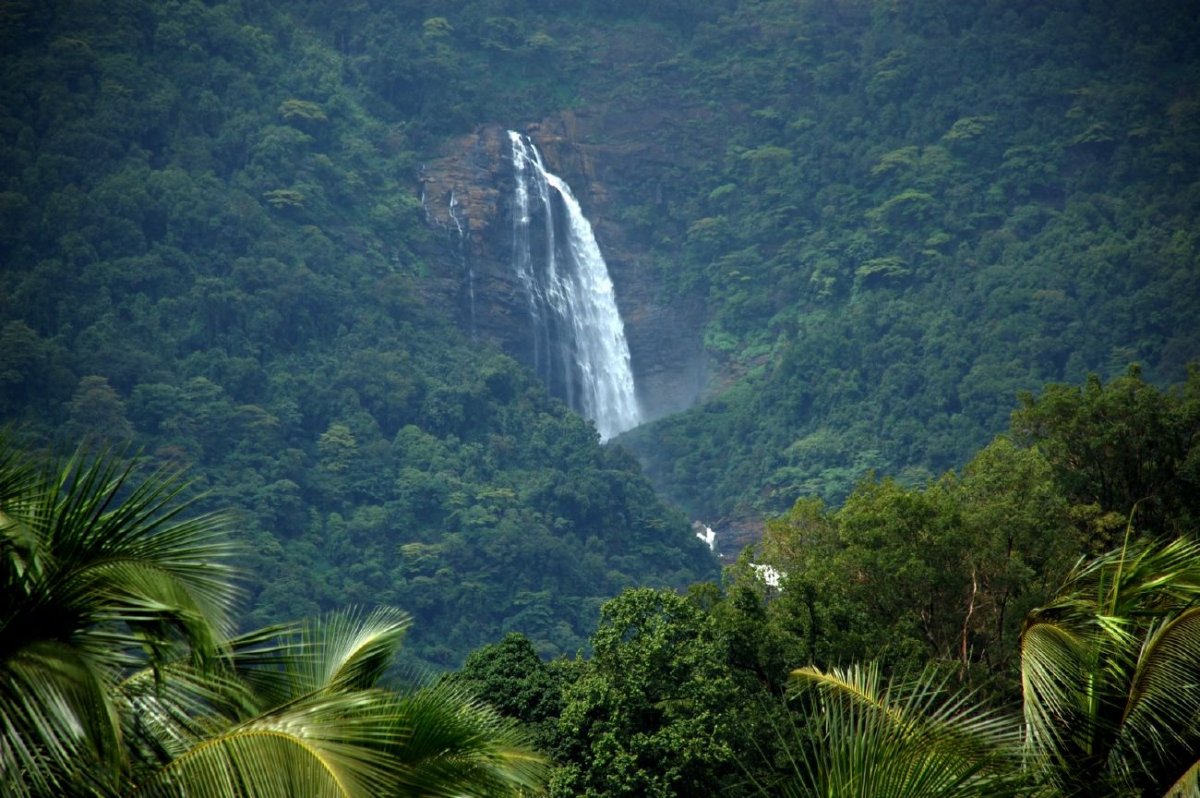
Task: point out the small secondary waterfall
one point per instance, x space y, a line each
579 342
460 244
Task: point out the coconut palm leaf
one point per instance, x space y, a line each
167 709
96 519
99 572
446 743
1160 728
317 725
456 746
20 489
349 650
1187 785
907 737
59 729
118 675
267 673
1111 672
329 745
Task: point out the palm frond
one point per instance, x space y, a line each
99 572
333 745
1051 668
264 661
902 738
1160 728
1187 785
58 726
1110 670
116 664
95 516
457 746
350 649
20 489
331 734
859 682
167 709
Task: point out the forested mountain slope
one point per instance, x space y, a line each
894 216
897 215
209 249
922 209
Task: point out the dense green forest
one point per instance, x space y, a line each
947 260
919 210
121 671
208 247
1044 594
897 215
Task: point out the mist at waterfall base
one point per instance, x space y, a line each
578 338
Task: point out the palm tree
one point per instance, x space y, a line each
119 674
905 738
1111 674
305 716
97 575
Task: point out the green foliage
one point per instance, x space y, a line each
213 249
897 217
1109 673
99 574
901 737
1122 448
119 677
906 575
946 205
652 711
966 580
510 677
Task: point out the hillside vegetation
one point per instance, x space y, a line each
1025 625
898 214
947 260
921 210
209 249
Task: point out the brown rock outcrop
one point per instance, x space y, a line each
611 162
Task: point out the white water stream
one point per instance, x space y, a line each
579 339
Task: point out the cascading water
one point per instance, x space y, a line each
460 247
579 342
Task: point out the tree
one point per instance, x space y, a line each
99 573
96 410
651 713
1111 700
947 570
1119 446
119 674
1110 668
513 680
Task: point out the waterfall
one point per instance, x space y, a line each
461 250
579 346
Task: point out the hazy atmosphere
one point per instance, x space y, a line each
738 397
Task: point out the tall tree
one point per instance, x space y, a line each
652 713
1122 445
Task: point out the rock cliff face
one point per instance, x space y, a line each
468 197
